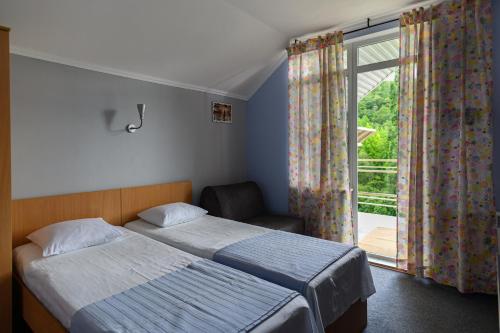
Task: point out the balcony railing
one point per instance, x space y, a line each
377 166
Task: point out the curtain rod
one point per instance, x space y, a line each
368 26
388 16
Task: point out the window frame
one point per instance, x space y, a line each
353 69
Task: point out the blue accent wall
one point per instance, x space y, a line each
267 139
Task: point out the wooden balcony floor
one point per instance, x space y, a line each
377 234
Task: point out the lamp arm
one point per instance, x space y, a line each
137 127
131 128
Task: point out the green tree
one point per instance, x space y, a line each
379 110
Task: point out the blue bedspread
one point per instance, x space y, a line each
287 259
203 297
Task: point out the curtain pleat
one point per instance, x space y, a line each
318 157
446 212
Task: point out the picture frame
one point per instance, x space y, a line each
222 113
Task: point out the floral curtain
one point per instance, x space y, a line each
318 157
446 213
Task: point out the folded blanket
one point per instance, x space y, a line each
202 297
288 259
292 261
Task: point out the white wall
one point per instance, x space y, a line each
68 133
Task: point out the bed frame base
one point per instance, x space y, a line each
354 320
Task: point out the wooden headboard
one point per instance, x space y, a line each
137 199
29 215
117 206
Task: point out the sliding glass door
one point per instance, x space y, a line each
373 73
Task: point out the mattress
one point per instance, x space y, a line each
68 282
332 292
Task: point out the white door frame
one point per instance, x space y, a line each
352 106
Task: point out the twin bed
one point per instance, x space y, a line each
197 294
164 279
330 293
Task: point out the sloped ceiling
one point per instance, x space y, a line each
221 46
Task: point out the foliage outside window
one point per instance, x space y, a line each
377 178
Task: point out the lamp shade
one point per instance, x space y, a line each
141 108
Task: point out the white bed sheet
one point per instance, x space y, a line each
67 282
351 275
202 236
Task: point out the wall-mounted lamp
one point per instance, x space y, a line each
131 128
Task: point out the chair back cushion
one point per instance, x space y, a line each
237 202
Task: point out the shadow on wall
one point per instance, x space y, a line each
109 116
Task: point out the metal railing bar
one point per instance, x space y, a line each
378 194
377 166
377 171
375 204
377 198
377 160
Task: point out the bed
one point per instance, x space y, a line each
330 293
174 290
117 206
71 283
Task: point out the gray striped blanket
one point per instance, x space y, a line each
203 297
284 258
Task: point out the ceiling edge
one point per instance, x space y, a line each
113 71
283 56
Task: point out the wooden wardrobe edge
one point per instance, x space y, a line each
4 28
5 187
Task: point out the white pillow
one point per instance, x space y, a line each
73 235
171 214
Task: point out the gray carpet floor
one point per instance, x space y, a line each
407 304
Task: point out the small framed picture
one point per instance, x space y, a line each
222 113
